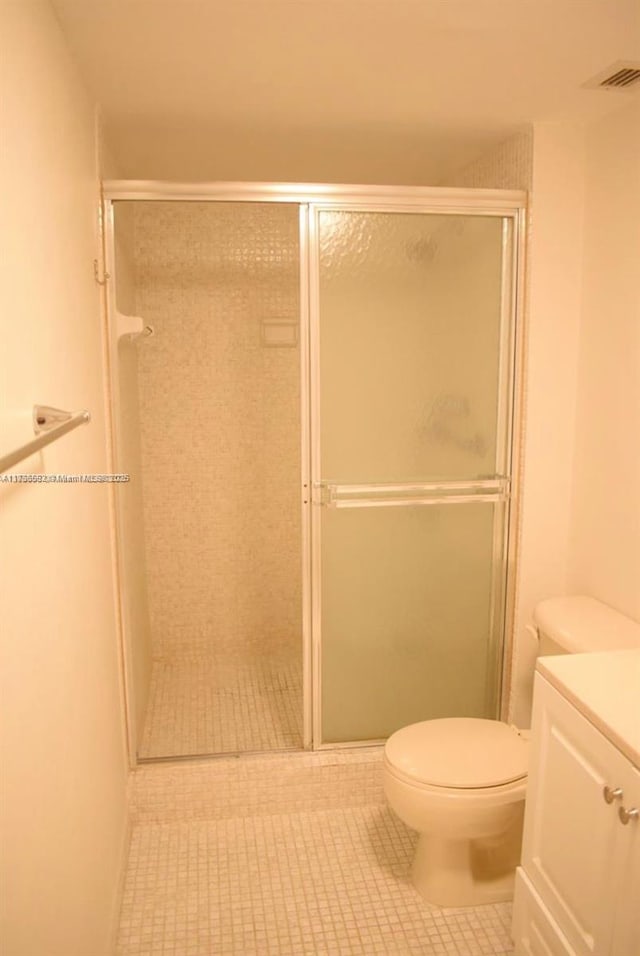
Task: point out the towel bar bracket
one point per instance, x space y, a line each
49 424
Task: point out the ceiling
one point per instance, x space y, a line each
395 91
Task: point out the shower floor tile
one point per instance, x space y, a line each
208 705
323 883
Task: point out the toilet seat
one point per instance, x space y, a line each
459 753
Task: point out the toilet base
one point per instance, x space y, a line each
464 872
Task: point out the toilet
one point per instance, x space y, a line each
461 781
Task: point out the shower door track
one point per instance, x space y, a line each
511 205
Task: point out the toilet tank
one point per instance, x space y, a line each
577 625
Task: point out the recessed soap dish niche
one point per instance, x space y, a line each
279 333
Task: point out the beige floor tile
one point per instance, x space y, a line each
244 880
210 705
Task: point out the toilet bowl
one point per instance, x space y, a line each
461 783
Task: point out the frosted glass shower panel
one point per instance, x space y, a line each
411 481
407 629
410 330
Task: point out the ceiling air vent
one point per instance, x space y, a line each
619 76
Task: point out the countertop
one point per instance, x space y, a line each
605 687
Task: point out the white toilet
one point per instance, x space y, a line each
461 782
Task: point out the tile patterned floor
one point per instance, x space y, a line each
209 705
215 872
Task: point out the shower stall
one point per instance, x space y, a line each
314 395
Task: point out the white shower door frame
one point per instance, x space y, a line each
510 205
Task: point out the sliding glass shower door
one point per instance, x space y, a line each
412 375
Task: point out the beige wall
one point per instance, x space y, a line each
580 528
63 763
220 427
550 382
604 546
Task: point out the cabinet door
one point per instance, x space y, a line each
575 850
534 931
626 930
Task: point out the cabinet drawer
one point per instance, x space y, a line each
534 931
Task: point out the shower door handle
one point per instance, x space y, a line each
334 495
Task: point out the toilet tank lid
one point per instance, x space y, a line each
580 624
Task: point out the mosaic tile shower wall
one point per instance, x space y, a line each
220 437
508 166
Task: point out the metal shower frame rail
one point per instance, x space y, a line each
510 204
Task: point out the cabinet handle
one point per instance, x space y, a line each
626 815
610 794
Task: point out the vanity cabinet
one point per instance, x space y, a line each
578 888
